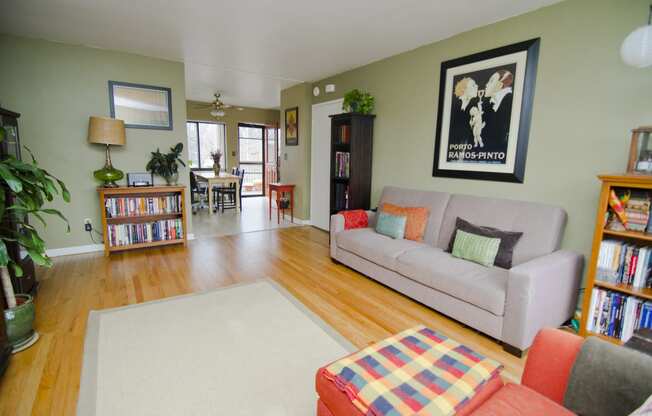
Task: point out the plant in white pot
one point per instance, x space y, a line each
30 188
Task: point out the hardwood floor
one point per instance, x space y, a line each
44 380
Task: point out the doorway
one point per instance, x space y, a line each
272 156
251 146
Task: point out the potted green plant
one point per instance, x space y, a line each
356 101
31 187
167 165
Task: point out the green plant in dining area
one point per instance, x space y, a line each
29 188
356 101
166 165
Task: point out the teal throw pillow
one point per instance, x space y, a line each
391 225
476 248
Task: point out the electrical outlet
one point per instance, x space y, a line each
88 225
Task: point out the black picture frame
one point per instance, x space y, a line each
517 155
133 123
292 138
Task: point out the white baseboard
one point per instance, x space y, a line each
67 251
302 222
88 248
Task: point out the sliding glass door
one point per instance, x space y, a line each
251 145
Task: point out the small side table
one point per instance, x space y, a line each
280 189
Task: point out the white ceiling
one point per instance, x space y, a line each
252 49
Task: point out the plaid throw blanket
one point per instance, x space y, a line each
416 372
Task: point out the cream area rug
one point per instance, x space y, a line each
249 349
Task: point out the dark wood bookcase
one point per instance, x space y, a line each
351 151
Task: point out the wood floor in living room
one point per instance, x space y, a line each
44 380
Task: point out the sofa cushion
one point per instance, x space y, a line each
542 225
417 219
517 400
377 248
391 225
436 203
478 285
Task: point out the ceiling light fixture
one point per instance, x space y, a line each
636 50
217 113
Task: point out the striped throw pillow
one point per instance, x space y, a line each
475 248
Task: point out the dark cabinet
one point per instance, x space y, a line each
351 151
11 146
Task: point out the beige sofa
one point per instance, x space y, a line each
539 290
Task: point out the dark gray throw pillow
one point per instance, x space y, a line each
508 240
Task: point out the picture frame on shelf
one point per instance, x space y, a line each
292 126
484 113
640 151
141 106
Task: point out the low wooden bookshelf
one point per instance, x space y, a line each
609 182
143 194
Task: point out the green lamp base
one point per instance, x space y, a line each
109 175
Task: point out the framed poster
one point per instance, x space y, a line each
141 106
484 113
292 126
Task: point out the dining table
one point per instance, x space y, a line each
222 178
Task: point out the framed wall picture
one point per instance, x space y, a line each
292 126
141 106
484 113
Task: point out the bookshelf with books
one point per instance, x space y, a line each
140 217
351 151
618 296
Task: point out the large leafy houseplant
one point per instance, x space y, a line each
166 164
30 187
357 101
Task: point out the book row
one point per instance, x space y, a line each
135 206
127 234
342 162
341 196
619 262
636 207
617 315
345 133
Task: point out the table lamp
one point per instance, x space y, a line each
107 131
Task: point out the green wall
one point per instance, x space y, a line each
56 87
586 101
231 119
295 160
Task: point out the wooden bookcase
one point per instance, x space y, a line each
623 181
142 192
351 137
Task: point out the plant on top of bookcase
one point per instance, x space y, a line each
31 187
166 165
356 101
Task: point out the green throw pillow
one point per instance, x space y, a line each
476 248
391 225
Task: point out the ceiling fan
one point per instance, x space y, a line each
217 106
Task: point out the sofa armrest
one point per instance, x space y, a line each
540 293
550 361
337 225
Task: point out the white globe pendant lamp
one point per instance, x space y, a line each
636 50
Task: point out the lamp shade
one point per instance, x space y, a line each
105 130
637 48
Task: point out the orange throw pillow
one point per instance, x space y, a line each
417 219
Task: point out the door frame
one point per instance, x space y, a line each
262 164
314 158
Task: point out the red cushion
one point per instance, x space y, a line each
334 402
550 361
518 400
355 218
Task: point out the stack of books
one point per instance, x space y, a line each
342 160
637 210
127 234
341 196
135 206
617 315
620 262
345 133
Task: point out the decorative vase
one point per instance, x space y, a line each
19 322
216 168
172 179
